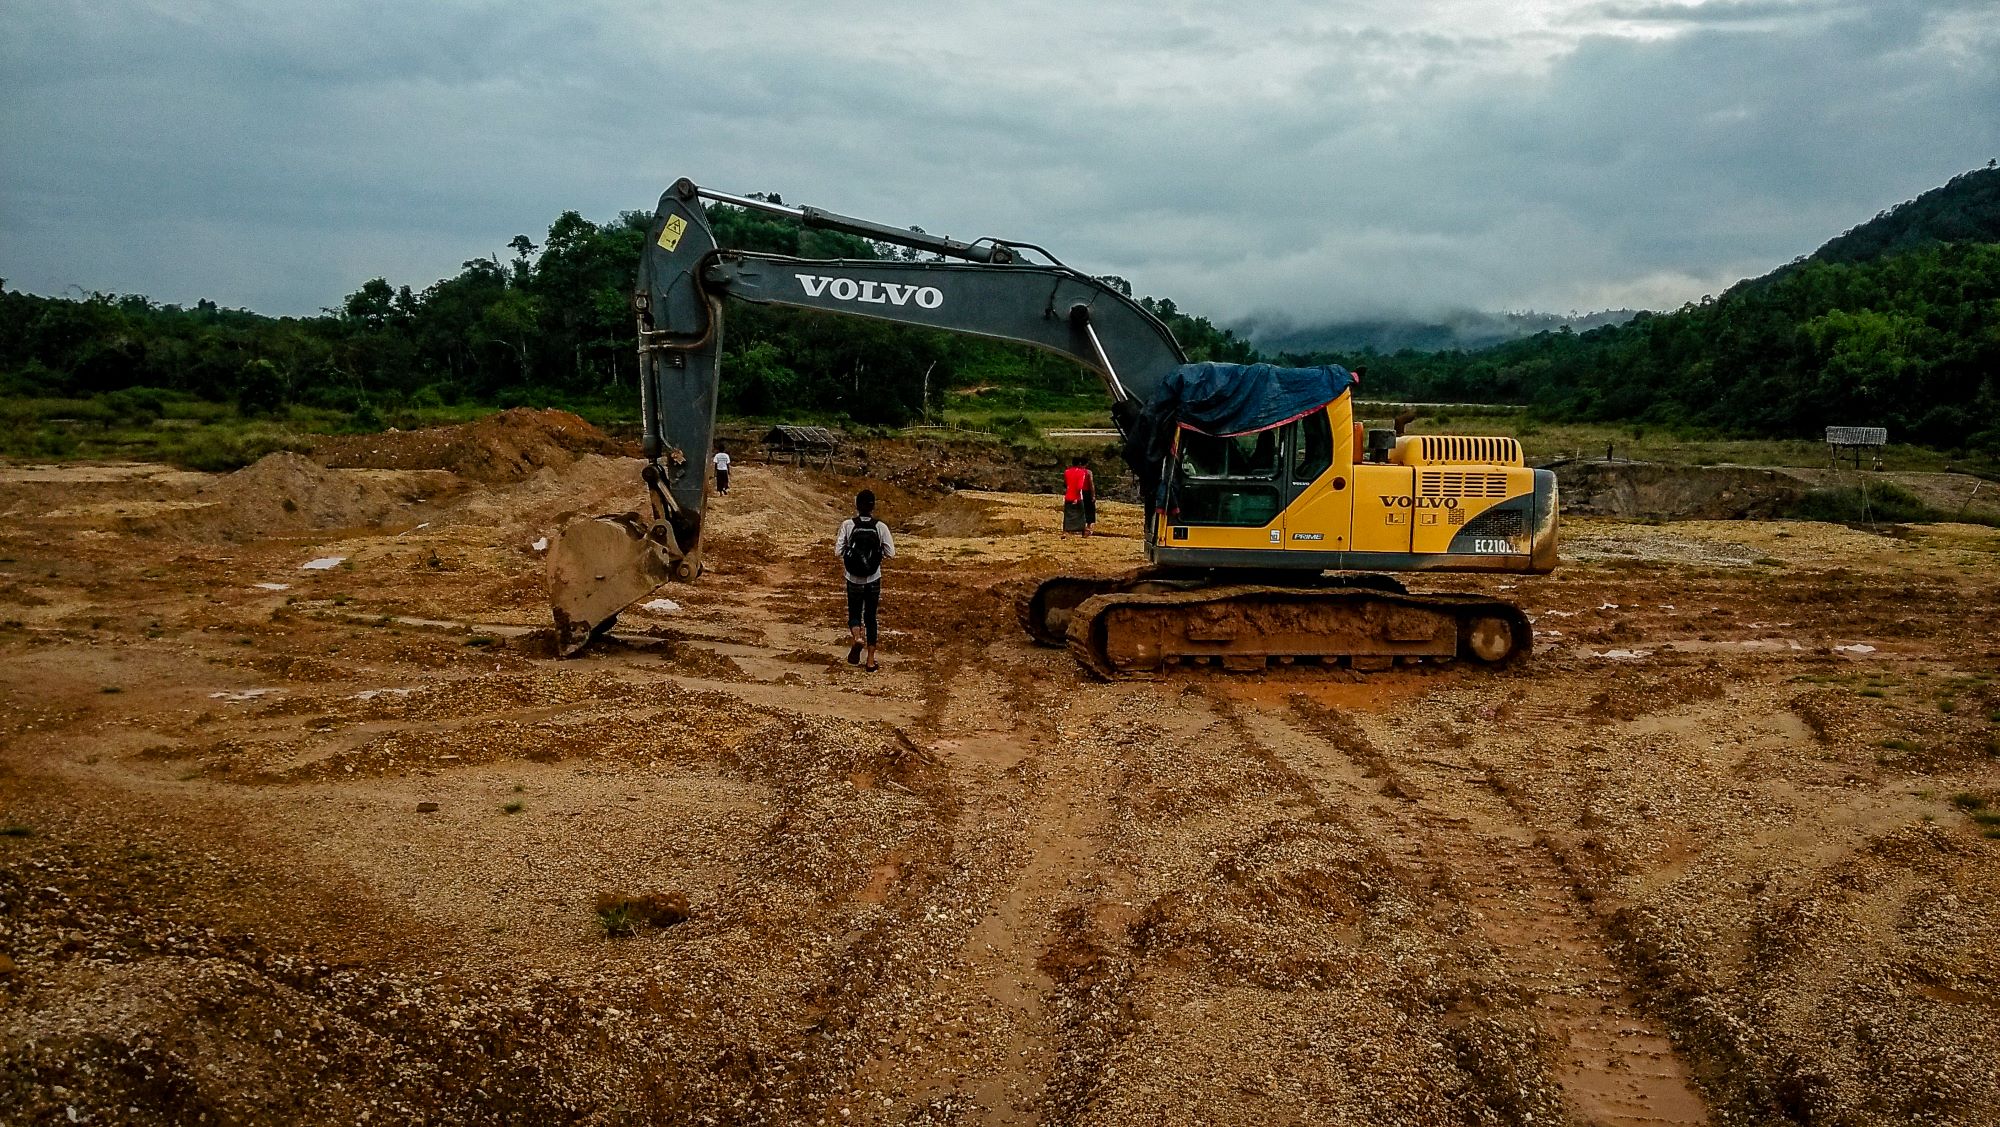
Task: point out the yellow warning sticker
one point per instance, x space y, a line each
670 235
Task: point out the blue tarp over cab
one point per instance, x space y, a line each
1225 399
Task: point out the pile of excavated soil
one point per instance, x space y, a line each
506 447
288 492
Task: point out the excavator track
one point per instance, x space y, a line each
1135 634
1045 613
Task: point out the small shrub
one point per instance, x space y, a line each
512 808
1966 800
621 913
617 920
16 831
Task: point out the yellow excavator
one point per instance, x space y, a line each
1274 522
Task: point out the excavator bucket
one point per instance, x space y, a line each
597 567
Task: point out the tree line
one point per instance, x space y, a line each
552 324
1896 324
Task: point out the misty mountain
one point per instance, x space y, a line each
1466 330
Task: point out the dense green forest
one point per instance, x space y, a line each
553 325
1895 323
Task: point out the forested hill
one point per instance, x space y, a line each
1965 210
1904 335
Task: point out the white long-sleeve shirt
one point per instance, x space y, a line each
840 549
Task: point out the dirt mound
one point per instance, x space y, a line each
288 492
506 447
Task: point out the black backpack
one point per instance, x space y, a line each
863 556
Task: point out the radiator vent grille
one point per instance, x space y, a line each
1460 483
1444 450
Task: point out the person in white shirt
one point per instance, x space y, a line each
862 544
722 471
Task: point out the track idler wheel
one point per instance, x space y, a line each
1488 638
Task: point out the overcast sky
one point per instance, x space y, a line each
1314 160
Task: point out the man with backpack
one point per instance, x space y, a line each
862 544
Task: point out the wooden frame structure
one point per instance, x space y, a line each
803 445
1856 439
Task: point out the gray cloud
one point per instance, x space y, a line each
1382 158
1725 12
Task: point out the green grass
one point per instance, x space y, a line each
155 425
152 425
991 408
617 920
1966 800
1881 502
16 831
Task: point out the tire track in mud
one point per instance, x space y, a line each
1035 942
1086 954
1617 1066
1026 839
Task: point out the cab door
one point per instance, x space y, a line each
1229 492
1316 505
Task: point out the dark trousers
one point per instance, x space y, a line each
862 600
722 481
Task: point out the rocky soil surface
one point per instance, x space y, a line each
300 823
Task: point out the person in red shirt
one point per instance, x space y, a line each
1079 499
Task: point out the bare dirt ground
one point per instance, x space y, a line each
1712 855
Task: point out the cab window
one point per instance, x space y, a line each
1237 480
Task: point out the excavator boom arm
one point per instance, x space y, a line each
684 276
